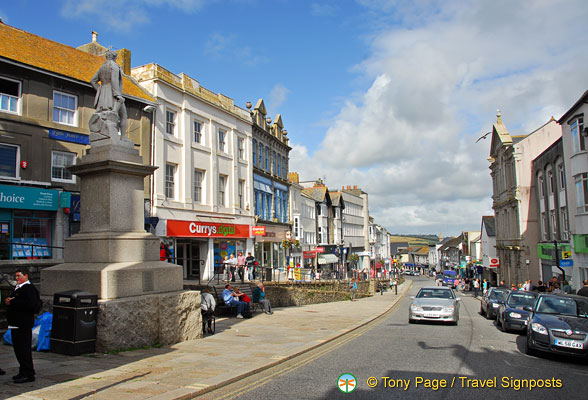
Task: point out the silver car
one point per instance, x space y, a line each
435 303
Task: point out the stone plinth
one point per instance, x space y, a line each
113 280
145 320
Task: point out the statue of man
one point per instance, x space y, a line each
109 91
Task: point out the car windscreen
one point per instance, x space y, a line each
557 305
435 293
449 276
518 299
498 294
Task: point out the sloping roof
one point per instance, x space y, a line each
396 245
489 224
577 104
319 193
453 242
421 251
32 50
337 199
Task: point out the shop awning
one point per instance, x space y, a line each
327 259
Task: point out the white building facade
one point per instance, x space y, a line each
202 189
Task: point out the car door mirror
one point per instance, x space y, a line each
412 297
458 299
528 308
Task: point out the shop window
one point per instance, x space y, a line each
9 160
32 234
59 163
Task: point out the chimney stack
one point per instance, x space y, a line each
94 36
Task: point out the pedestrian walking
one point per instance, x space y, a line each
353 289
476 287
485 288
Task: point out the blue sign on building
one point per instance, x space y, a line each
69 136
566 263
28 198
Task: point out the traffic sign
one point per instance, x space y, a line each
566 254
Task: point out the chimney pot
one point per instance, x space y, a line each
354 186
94 36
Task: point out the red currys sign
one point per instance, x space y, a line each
205 229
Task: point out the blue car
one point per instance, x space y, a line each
559 324
513 315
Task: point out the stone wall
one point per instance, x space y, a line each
312 293
164 318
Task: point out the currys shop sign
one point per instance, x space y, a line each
205 229
27 198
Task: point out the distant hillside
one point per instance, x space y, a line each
415 240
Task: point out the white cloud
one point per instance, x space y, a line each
124 15
226 47
277 96
437 80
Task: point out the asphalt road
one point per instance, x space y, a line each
416 360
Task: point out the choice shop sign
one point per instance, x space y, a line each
206 229
27 198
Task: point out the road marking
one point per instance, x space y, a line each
333 345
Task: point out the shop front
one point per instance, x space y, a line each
27 222
200 247
547 257
269 252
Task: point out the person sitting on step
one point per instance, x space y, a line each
231 298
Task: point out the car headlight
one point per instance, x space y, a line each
449 308
495 305
415 307
514 315
538 328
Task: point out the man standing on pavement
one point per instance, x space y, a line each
250 261
21 308
241 266
584 289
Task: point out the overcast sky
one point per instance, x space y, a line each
387 95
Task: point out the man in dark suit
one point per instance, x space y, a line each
21 307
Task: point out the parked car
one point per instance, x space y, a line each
513 315
559 324
491 301
435 303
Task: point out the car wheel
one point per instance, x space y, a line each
528 349
411 321
481 310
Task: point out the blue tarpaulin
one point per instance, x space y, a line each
41 332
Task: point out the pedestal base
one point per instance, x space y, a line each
113 280
165 318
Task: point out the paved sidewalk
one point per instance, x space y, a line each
191 368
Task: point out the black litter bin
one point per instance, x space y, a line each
74 323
